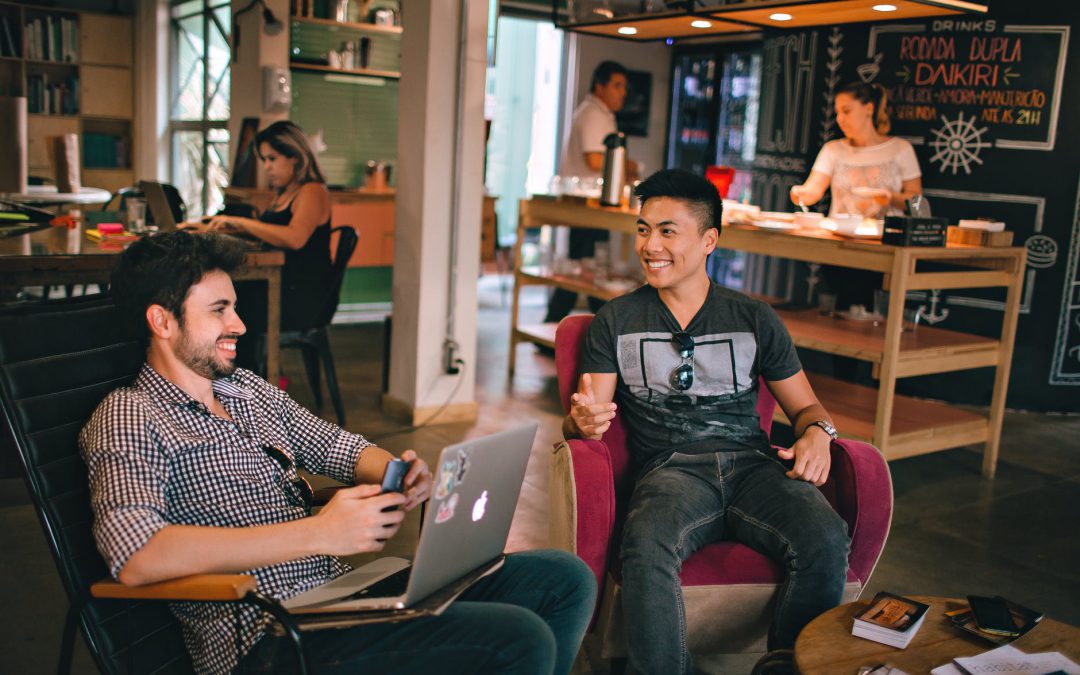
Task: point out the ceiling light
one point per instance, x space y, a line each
780 16
884 8
701 23
627 30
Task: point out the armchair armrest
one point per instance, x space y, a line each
583 492
201 587
860 489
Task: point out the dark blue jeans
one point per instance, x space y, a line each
693 500
529 617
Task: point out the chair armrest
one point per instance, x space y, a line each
862 490
202 587
584 467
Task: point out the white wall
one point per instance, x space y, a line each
654 57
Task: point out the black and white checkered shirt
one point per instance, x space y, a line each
157 457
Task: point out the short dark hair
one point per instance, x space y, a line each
691 188
162 268
604 72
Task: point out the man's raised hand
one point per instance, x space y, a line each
591 419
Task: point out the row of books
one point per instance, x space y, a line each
105 151
52 38
52 98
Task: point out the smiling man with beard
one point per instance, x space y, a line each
193 469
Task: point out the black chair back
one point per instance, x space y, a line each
347 239
58 361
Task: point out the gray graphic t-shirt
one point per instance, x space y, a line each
736 340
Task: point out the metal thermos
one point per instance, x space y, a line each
614 169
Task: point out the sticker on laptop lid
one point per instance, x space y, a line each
447 479
446 509
463 464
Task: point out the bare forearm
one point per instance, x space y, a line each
180 550
283 237
808 416
371 465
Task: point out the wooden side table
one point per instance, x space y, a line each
827 647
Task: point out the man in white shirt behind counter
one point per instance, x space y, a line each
583 157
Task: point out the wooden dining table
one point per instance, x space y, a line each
53 256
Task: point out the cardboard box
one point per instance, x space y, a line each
970 237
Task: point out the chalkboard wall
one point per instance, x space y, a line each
986 103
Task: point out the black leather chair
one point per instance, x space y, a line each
57 362
314 343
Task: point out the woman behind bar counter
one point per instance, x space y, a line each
867 158
883 166
298 221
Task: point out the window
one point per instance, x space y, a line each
199 102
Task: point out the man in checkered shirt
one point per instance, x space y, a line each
193 470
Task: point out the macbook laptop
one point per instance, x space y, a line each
159 206
474 495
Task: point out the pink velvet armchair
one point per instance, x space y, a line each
729 589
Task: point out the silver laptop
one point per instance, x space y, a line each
159 205
476 490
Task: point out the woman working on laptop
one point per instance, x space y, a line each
298 220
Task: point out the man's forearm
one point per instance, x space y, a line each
180 550
371 465
808 416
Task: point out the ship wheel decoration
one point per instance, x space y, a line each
957 144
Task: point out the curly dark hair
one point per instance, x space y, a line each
161 269
691 188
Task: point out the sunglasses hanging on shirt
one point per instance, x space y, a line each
682 378
301 488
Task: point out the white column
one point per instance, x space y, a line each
257 50
427 197
151 69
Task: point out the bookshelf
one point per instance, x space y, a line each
75 69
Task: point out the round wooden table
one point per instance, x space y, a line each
827 647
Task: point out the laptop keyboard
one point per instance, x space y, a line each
390 587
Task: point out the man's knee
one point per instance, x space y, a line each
521 641
571 578
823 543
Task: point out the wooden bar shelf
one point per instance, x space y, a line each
899 426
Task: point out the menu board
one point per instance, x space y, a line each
964 86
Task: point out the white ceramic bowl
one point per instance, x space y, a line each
808 221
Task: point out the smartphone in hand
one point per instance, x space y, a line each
394 478
992 615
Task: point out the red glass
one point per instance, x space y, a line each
720 177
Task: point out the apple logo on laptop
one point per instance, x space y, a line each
478 506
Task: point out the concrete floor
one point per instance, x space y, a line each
953 532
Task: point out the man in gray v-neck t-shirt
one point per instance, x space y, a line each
681 361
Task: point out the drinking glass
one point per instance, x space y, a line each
136 215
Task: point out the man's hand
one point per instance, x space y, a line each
590 418
357 520
812 456
417 482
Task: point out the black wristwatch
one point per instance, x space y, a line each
825 426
